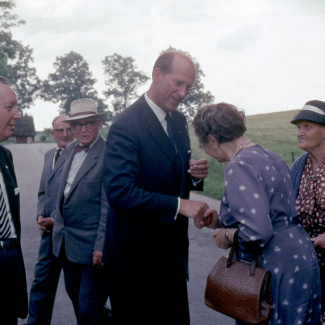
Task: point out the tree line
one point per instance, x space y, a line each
72 78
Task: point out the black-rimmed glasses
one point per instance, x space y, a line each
88 125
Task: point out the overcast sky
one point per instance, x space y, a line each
261 55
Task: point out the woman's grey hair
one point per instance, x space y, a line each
223 121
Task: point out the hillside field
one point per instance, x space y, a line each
272 131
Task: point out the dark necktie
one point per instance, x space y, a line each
57 155
170 130
5 230
78 148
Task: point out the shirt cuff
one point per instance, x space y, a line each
178 203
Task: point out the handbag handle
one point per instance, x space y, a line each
234 247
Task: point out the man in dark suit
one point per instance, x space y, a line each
13 289
80 220
48 267
147 178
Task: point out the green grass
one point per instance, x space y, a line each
272 131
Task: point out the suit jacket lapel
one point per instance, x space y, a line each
158 133
65 171
10 182
181 138
183 154
59 162
8 177
183 147
90 160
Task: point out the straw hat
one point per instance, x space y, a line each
83 108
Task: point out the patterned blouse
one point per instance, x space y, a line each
311 202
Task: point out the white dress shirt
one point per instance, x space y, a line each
77 161
5 196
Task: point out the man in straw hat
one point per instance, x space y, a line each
80 221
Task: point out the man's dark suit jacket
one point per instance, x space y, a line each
9 177
143 177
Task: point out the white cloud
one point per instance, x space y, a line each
260 55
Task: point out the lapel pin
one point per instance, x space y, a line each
189 151
6 167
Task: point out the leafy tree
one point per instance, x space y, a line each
16 59
45 136
7 19
71 80
123 80
197 96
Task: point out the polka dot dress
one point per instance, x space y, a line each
259 200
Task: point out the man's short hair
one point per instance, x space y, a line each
165 61
57 117
4 81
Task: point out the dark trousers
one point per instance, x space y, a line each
149 296
43 290
11 270
87 289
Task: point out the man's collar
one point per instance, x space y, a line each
160 113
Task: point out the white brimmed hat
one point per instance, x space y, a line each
83 108
314 111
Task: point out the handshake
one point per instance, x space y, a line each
205 217
201 213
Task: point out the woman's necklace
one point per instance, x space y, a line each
241 146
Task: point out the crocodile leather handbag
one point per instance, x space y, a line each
239 289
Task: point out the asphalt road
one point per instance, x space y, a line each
28 160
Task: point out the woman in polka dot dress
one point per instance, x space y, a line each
259 201
308 175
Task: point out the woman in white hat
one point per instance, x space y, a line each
308 175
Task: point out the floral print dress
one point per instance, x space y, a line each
259 200
311 211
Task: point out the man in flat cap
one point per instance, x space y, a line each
79 228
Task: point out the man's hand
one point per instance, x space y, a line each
199 168
192 209
45 224
97 259
210 220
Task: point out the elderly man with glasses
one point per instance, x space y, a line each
48 267
79 228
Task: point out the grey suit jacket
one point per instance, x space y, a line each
81 216
49 184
